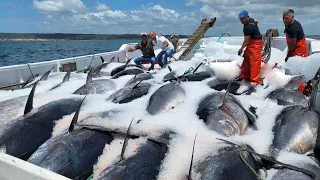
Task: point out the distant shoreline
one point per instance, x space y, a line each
61 36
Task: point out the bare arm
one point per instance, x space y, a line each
245 42
131 49
291 46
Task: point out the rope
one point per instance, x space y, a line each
188 71
266 49
30 70
240 150
90 177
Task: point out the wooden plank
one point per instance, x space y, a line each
195 37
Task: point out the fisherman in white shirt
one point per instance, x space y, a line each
166 46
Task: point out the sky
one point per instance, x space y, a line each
163 16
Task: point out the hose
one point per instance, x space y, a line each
266 49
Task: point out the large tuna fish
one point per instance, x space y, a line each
295 82
224 114
130 71
288 97
123 67
236 87
65 79
139 77
96 71
192 76
129 93
99 86
74 154
228 165
295 129
9 110
288 174
166 97
22 136
44 77
143 165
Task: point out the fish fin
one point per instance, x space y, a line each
224 101
125 143
190 168
89 77
102 60
170 69
76 116
197 68
137 84
112 59
29 104
313 96
45 75
66 77
127 63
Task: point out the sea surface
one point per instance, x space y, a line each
21 52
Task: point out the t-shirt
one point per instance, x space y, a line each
252 30
294 30
159 42
146 49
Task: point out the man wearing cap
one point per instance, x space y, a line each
251 66
146 47
295 37
164 44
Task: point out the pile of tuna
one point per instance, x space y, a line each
140 142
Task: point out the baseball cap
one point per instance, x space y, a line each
143 33
243 14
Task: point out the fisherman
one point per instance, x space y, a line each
251 66
166 46
295 37
146 48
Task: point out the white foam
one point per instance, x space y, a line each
307 66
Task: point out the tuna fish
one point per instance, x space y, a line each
236 88
288 97
224 114
288 174
96 71
130 71
144 165
228 165
73 154
44 77
295 82
295 130
192 76
65 79
129 93
123 67
99 86
166 97
21 137
9 110
139 77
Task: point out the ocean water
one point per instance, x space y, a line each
20 52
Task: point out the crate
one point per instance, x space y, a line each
68 67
